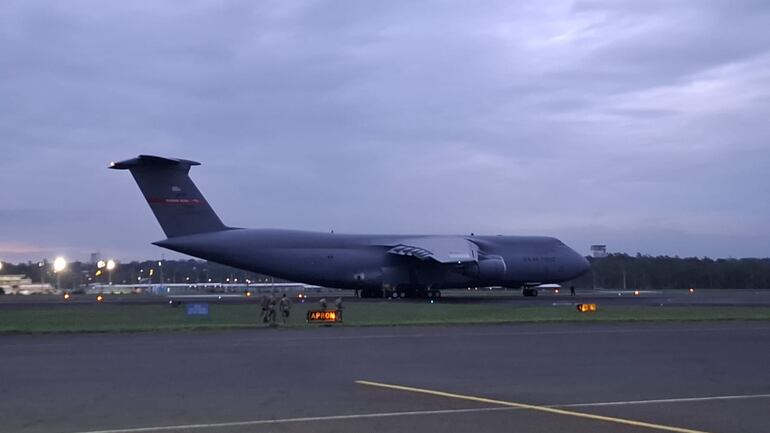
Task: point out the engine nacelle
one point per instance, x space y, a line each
488 268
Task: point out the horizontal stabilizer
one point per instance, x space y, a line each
150 161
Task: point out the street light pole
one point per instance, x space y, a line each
110 267
99 266
59 264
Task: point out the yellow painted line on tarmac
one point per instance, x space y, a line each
546 409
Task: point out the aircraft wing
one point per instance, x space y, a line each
440 249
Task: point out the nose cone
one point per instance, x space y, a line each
580 264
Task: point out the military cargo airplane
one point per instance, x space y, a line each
377 265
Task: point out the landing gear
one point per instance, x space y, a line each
371 293
394 294
412 293
529 291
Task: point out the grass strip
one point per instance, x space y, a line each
162 317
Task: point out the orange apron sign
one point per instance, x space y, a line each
328 316
586 308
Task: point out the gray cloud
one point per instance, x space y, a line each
638 124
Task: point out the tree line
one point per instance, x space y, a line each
614 271
664 272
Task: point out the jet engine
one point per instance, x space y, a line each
488 268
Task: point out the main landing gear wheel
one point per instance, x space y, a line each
371 293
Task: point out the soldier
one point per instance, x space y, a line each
338 304
271 310
265 303
572 290
323 303
285 305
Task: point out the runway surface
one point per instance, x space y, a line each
686 377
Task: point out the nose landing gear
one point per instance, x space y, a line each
412 293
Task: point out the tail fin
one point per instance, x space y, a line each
173 197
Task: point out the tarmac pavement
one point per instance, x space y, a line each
686 377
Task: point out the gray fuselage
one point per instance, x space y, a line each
419 264
361 261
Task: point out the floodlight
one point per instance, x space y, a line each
59 264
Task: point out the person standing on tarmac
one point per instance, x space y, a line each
323 303
338 304
572 290
285 306
265 303
271 307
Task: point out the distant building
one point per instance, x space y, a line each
598 251
21 285
95 257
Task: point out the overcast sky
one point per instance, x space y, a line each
644 125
